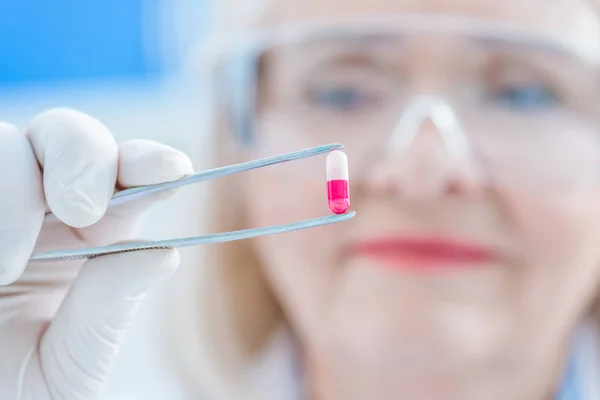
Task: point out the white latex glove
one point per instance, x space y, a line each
62 323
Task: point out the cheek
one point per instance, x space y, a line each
300 265
559 233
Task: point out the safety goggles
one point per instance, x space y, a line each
524 105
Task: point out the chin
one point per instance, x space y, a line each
403 322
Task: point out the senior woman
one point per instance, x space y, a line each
471 270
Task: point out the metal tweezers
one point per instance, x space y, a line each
142 191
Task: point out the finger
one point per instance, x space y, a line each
79 157
21 204
78 350
145 162
141 162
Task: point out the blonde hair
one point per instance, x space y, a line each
237 310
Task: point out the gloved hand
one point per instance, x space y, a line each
62 323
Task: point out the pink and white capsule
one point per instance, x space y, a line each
338 188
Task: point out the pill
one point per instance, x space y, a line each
338 191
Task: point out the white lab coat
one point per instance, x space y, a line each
145 370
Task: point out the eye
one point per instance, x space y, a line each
340 98
526 97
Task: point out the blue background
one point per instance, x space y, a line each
45 41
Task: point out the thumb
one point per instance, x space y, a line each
78 350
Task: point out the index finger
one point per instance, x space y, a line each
79 157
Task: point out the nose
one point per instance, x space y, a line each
428 155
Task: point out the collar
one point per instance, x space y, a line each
581 380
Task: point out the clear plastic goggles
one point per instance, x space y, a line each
516 106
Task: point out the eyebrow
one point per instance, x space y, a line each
547 46
348 58
350 49
356 48
355 45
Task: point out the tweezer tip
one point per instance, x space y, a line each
347 216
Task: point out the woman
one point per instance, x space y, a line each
471 269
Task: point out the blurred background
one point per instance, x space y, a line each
129 64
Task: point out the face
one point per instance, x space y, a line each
470 270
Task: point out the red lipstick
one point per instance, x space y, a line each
419 253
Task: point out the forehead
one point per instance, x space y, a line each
577 18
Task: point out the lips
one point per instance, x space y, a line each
423 253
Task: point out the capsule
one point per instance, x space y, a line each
338 190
